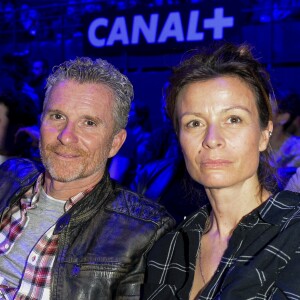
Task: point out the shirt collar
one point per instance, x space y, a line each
279 206
271 211
32 195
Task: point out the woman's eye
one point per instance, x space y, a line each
194 123
234 120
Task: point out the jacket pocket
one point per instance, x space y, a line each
83 281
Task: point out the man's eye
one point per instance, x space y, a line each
90 123
56 116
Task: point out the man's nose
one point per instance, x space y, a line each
68 134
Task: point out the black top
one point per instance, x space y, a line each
262 260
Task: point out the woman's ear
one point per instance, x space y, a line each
265 137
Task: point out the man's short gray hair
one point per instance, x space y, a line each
85 70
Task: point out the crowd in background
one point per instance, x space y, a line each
22 85
43 20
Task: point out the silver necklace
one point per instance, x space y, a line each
206 229
200 266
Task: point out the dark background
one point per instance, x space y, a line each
58 31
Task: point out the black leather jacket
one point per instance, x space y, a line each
103 239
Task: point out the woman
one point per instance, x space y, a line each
244 244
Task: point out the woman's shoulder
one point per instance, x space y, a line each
289 197
282 209
190 224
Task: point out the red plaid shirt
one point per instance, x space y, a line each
35 283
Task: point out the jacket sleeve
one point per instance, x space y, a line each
16 175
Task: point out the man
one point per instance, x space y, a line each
67 231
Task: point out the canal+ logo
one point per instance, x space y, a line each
129 32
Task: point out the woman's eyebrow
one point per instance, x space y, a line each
236 107
196 114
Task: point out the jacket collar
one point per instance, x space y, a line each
88 206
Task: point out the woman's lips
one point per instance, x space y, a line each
215 163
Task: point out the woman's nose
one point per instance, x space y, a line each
213 137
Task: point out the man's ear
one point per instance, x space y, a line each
118 141
265 137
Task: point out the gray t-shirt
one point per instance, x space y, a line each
39 220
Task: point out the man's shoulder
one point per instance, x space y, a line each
21 164
137 206
16 175
21 167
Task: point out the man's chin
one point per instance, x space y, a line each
63 173
63 177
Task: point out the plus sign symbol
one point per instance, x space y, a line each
218 23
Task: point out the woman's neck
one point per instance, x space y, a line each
229 208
